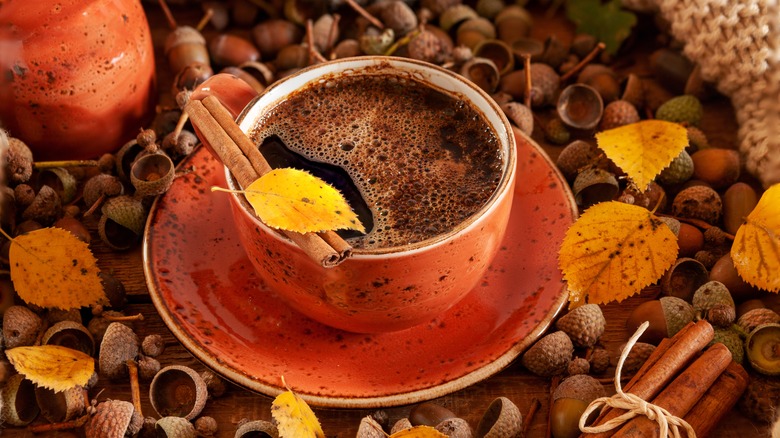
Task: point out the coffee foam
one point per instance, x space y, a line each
422 160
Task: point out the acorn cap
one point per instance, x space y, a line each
152 174
119 345
483 72
579 365
497 51
698 202
455 428
599 361
183 35
126 211
677 313
672 223
175 427
18 161
20 326
545 84
148 367
579 387
255 428
756 317
18 401
681 109
401 424
637 357
576 156
683 278
100 185
709 294
760 400
72 335
678 171
114 419
584 325
594 185
550 355
153 345
369 428
179 391
502 419
732 340
762 345
45 208
62 181
520 115
618 113
60 406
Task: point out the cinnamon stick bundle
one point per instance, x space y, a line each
215 124
669 358
683 392
719 399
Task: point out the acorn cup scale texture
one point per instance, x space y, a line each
502 419
570 400
178 391
114 419
119 345
584 325
550 355
20 326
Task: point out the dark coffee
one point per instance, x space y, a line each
422 160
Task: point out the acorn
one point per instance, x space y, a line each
20 327
690 240
671 68
550 355
454 428
605 84
710 294
697 139
429 414
502 419
228 49
75 227
716 166
748 305
273 34
62 181
599 361
666 316
23 195
570 399
580 106
18 401
175 427
206 426
99 186
372 43
527 47
430 46
698 202
576 156
555 52
681 109
114 419
148 367
398 16
637 357
678 171
122 222
369 428
582 44
45 208
513 22
721 315
545 83
325 35
672 223
760 400
483 72
456 15
634 91
578 365
683 278
119 345
214 384
618 113
70 334
18 161
738 201
556 132
584 325
594 185
60 406
347 48
732 340
520 115
258 428
179 391
153 345
152 174
756 317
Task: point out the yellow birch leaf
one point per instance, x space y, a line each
614 250
294 200
419 432
294 418
756 248
643 149
52 366
51 267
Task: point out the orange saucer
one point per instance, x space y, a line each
208 294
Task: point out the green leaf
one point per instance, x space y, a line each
608 22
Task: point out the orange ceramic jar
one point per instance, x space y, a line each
78 76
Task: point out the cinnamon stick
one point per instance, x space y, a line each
247 164
718 400
666 361
683 393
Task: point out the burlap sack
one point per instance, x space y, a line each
737 45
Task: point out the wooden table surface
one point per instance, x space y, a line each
513 382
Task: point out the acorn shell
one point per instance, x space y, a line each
584 325
580 106
483 72
178 391
683 278
125 157
62 181
122 222
757 317
152 174
369 428
497 51
20 326
550 355
502 419
60 406
72 335
257 428
114 419
761 346
456 15
19 405
594 185
119 345
175 427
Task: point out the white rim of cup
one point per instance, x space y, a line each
442 79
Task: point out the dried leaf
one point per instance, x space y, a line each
614 250
52 366
419 432
294 417
643 149
756 248
294 200
608 22
51 267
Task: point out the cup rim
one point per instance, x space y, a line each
496 118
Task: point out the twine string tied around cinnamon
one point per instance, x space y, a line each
634 405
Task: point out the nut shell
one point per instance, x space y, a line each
756 317
550 355
175 427
255 428
502 419
455 428
18 401
580 387
369 428
20 326
114 419
119 345
70 334
60 406
178 391
698 202
584 325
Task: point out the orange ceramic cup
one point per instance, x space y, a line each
78 76
393 288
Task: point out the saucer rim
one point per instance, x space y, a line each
235 376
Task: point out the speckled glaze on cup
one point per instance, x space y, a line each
385 289
78 76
